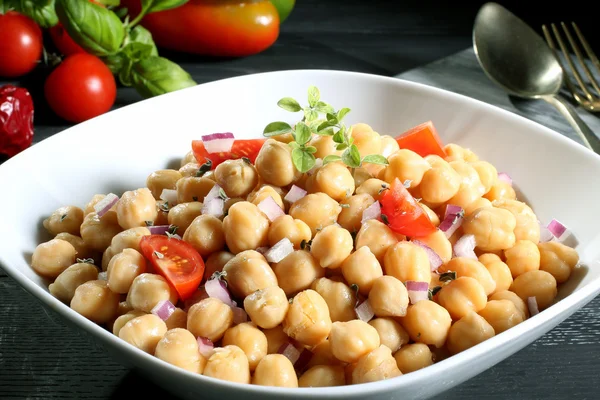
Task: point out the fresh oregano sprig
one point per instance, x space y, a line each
303 154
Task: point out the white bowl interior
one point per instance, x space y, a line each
117 151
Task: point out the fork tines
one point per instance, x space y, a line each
589 100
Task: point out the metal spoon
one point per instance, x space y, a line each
517 59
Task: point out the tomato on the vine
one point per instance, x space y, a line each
80 88
20 44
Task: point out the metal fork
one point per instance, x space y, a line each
584 96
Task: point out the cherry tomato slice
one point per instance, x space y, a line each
177 261
241 148
401 212
423 139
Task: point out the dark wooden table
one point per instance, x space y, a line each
40 358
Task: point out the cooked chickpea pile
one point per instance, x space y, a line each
308 299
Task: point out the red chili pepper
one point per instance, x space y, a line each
16 120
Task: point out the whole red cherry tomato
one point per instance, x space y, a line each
20 44
80 88
16 120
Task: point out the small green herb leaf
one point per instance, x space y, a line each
310 114
313 95
323 107
326 125
341 146
277 128
311 149
204 168
339 137
160 5
85 260
351 157
332 117
342 113
302 134
448 276
289 104
331 158
303 160
375 159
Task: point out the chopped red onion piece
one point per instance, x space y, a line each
270 208
262 250
504 177
218 142
371 212
434 259
215 207
105 204
417 291
557 228
163 309
279 251
216 193
453 219
295 194
303 360
545 234
103 276
159 229
417 286
169 195
364 311
216 288
318 164
290 351
239 315
465 247
206 347
533 306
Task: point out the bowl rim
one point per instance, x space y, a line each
567 305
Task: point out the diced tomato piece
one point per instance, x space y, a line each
241 148
177 261
401 212
423 139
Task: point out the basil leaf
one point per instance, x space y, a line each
324 107
303 160
151 6
313 95
351 157
121 12
125 72
289 104
331 158
302 134
375 159
137 51
139 34
154 76
310 114
113 3
115 62
42 12
277 128
342 113
98 30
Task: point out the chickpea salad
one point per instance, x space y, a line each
319 255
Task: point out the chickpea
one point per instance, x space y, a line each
500 273
323 355
373 187
467 332
193 188
391 333
377 236
97 233
335 180
250 339
180 348
205 234
66 219
481 202
260 194
317 210
406 165
493 228
427 322
558 260
469 267
144 332
210 318
267 307
325 146
120 322
522 257
407 261
465 197
107 255
454 152
50 259
360 175
124 308
323 376
353 339
178 319
297 272
501 191
389 145
528 227
469 176
375 366
123 268
501 315
274 163
63 288
228 363
128 239
188 158
351 216
182 215
216 262
80 248
439 184
135 207
367 141
461 296
275 370
89 207
538 284
236 177
307 319
276 337
246 227
147 290
285 138
248 272
439 243
162 213
413 357
488 175
331 246
162 179
513 298
285 226
339 297
488 258
188 170
388 297
362 268
95 301
433 217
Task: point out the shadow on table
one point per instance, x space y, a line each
144 388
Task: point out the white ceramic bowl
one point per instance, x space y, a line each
117 151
